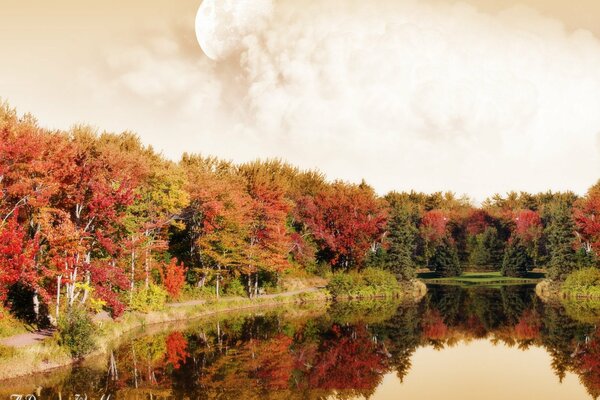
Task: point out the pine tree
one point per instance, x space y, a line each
445 260
402 244
487 250
560 234
516 259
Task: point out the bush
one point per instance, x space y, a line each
371 282
235 288
149 299
584 282
76 332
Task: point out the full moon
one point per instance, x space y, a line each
221 25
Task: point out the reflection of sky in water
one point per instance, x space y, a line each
481 370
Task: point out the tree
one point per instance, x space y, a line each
347 221
401 240
173 278
444 260
528 227
587 219
487 251
516 260
560 233
268 242
433 230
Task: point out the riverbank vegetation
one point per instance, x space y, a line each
101 222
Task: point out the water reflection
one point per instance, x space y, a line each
345 352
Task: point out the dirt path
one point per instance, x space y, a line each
26 339
264 296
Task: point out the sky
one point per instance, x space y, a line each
476 97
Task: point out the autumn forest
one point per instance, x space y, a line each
97 219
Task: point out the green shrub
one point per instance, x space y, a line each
583 282
76 332
235 288
342 284
380 279
149 299
368 283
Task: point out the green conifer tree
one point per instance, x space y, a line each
516 259
487 251
560 236
445 260
402 244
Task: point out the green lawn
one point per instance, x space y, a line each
481 278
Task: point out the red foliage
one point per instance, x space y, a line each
349 360
173 278
477 221
176 353
275 362
529 326
433 225
433 326
528 225
17 257
106 278
346 220
587 218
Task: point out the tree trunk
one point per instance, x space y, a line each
36 306
250 285
218 280
132 283
58 279
256 285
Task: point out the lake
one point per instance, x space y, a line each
456 343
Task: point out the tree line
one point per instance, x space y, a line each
96 219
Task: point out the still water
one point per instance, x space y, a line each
457 343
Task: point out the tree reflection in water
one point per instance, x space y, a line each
342 353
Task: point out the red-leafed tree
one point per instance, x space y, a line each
528 226
347 221
17 258
587 219
173 278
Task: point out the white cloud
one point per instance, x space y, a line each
405 95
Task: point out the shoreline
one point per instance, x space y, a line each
46 356
550 291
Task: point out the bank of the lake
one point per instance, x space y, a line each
47 355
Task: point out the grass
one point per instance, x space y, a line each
481 278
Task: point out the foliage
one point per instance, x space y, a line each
152 298
444 260
401 244
173 278
584 282
235 288
370 282
487 251
516 260
560 232
77 331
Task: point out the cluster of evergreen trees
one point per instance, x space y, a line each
514 234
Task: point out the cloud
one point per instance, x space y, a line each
409 95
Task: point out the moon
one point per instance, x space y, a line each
221 25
